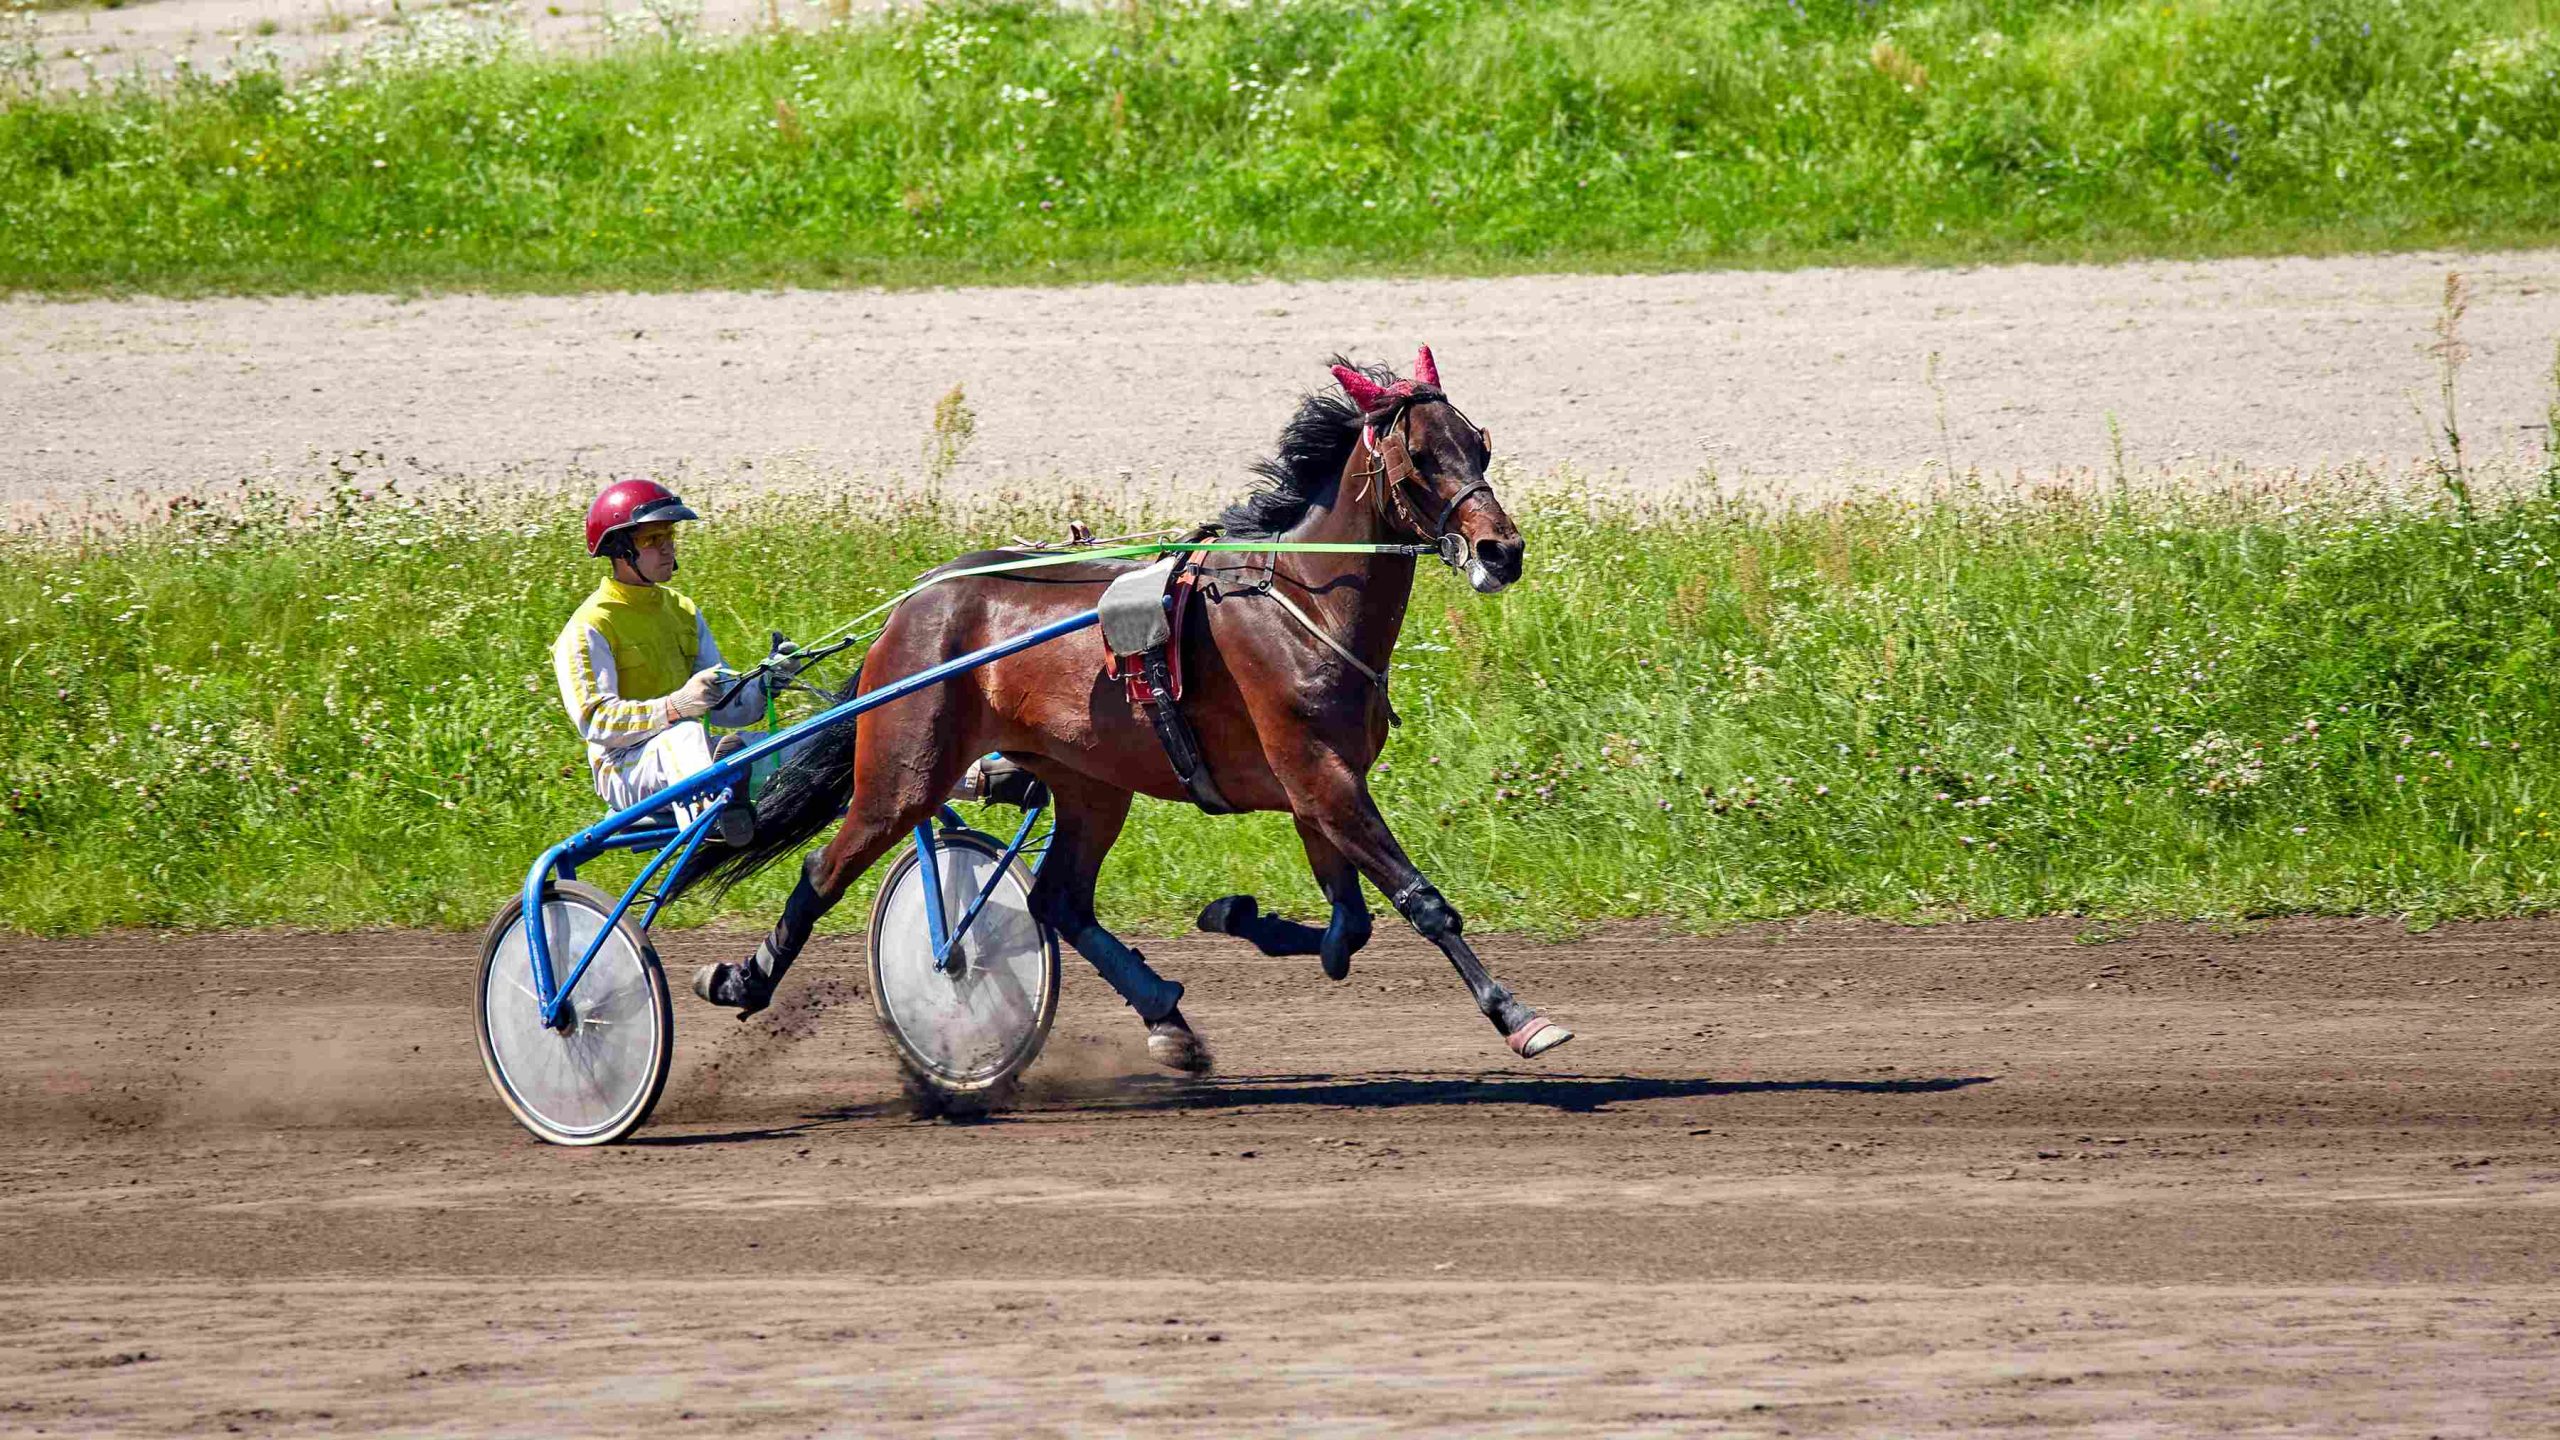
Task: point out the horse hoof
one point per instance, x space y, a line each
1172 1044
1221 916
1336 967
1537 1037
736 995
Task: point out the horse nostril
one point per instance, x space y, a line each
1502 557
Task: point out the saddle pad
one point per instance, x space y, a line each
1133 614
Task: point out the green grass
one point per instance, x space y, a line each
1014 142
2183 708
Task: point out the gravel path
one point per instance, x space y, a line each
156 37
1813 1179
1803 381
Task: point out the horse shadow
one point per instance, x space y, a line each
1567 1094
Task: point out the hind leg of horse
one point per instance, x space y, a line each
884 813
1340 939
1337 802
1090 815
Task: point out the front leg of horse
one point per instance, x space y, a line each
1354 826
1349 929
1242 917
1334 945
1529 1033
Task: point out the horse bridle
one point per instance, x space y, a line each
1396 469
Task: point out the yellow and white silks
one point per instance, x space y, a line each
626 649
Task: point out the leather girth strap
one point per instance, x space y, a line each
1154 678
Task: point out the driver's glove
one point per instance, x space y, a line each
786 661
698 696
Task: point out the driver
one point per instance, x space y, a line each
639 671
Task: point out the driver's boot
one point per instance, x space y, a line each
735 825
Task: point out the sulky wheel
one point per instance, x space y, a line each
593 1079
966 1031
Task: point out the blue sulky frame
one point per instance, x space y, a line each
678 842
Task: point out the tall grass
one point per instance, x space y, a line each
992 141
2095 706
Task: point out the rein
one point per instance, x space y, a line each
1148 550
1394 469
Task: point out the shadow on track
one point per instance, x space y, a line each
1573 1094
1570 1094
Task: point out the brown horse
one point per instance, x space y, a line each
1287 718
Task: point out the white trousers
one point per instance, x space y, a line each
671 755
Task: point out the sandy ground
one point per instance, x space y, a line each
91 44
1821 1179
1800 382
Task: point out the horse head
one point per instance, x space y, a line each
1427 464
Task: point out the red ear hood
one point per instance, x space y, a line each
1372 397
1364 392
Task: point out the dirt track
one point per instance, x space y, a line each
1811 1180
1803 381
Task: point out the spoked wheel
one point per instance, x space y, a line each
593 1079
966 1031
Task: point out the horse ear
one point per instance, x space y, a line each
1364 392
1424 371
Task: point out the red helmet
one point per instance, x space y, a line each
629 503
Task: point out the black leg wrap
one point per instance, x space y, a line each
1222 915
1274 936
1423 908
1126 971
1242 917
771 961
749 986
805 908
1342 940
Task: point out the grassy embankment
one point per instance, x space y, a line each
2098 707
1011 142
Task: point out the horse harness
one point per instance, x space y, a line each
1143 614
1144 611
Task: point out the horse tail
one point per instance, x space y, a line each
807 794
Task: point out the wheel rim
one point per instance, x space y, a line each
586 1080
977 1021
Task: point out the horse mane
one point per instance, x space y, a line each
1313 448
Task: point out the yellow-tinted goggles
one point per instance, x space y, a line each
644 537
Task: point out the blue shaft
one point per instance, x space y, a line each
578 848
944 949
692 836
935 928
